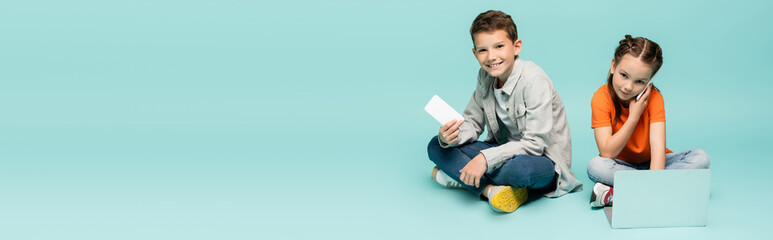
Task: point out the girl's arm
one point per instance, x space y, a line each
658 145
610 145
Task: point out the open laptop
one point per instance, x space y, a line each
661 198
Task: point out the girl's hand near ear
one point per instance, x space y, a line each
449 132
638 106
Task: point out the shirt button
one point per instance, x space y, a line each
508 109
503 93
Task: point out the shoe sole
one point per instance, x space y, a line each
433 175
508 199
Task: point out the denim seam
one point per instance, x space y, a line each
463 154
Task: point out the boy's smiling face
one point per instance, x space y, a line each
496 53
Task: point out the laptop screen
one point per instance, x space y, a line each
660 198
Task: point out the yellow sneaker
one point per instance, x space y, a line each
506 198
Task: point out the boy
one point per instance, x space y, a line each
528 144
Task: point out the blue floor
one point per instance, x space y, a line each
304 120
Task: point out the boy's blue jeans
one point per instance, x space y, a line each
521 171
603 170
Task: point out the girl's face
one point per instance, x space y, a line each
630 77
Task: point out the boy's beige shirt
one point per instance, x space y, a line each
539 114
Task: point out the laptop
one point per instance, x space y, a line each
660 198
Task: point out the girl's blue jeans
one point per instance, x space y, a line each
603 170
521 171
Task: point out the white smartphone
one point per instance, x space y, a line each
441 111
645 89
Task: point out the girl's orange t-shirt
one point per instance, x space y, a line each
637 149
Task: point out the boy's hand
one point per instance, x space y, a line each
474 170
449 132
638 106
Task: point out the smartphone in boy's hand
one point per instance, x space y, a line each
441 111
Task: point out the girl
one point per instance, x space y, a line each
630 133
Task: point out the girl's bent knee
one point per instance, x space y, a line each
700 159
598 168
596 163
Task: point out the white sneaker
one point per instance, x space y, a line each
443 179
601 195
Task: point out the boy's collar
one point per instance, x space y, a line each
513 78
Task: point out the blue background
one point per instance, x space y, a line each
304 119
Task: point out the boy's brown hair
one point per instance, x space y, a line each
493 20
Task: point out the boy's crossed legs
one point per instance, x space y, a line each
505 187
